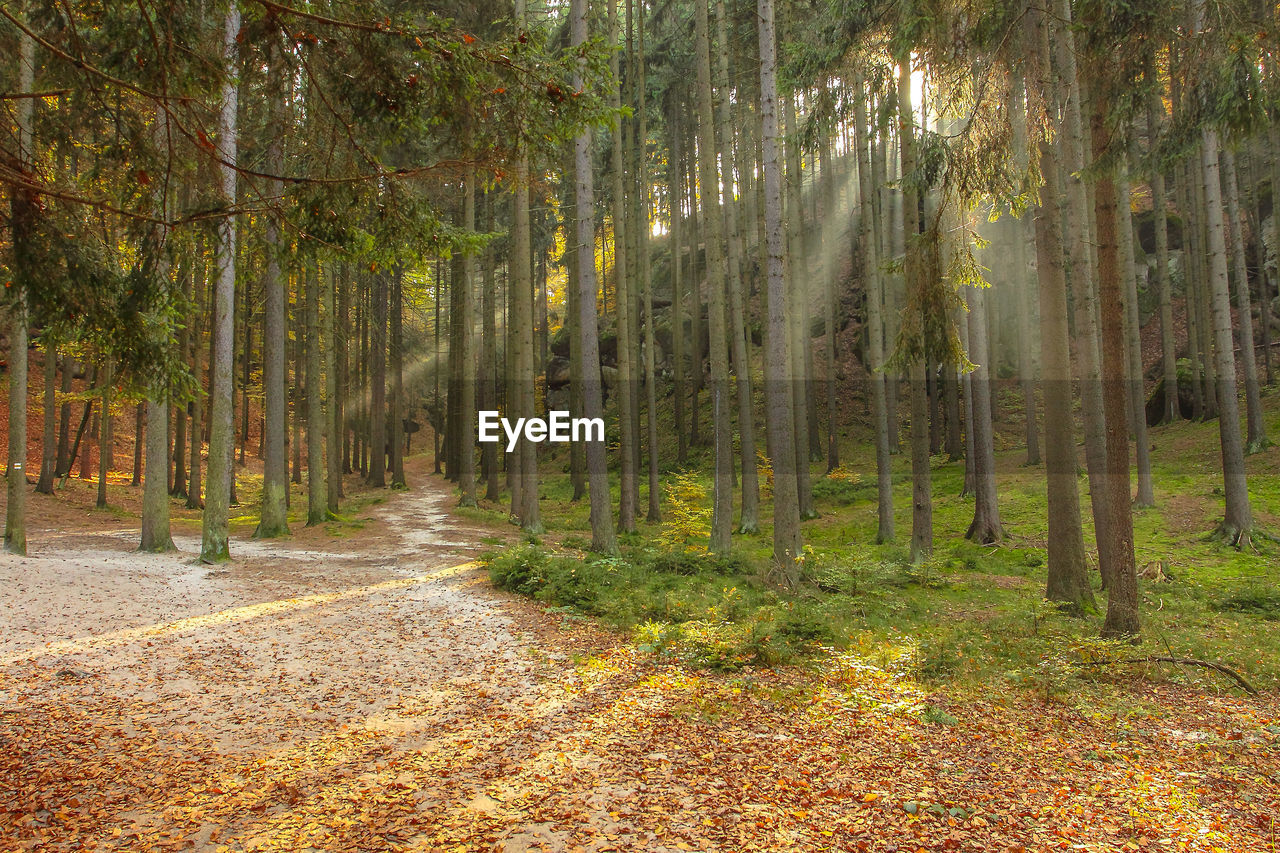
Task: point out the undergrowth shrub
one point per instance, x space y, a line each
1258 600
688 518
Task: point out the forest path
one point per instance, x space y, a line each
362 692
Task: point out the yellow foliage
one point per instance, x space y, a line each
688 518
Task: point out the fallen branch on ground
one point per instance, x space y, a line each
1207 664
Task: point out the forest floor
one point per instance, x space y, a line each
359 686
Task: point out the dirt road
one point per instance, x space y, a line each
320 695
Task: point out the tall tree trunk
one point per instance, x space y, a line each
195 499
522 338
139 421
575 256
465 287
1164 286
1257 428
985 527
1237 524
1133 343
1075 158
750 511
23 210
787 540
628 490
798 313
709 184
273 520
603 537
378 381
156 535
875 321
104 432
1115 541
1025 287
396 355
333 423
1068 570
643 236
64 420
675 196
921 476
49 435
487 388
214 533
317 491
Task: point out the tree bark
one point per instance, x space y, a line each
1237 524
709 185
921 475
1115 540
787 541
49 435
875 321
273 520
603 537
1068 571
317 490
23 210
214 533
1256 425
1133 344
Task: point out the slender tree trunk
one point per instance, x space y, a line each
273 520
1115 541
488 386
1257 428
675 194
750 511
798 313
396 354
985 527
465 287
1133 343
104 432
603 537
246 361
575 260
1169 352
628 488
1082 278
875 322
643 235
214 546
333 423
317 490
378 382
49 436
1253 179
787 540
709 183
139 421
194 497
1068 570
921 476
1026 288
1237 525
23 210
64 420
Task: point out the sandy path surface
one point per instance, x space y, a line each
311 695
